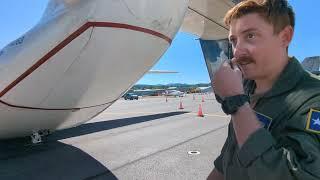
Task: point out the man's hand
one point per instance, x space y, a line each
228 81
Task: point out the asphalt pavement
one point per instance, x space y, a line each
150 138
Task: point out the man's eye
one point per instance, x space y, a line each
251 36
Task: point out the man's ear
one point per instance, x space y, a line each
286 36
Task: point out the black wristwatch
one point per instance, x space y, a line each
231 104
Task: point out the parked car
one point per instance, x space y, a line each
131 96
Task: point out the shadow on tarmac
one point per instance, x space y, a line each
110 124
20 160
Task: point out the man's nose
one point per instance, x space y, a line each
238 50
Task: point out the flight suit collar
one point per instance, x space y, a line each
288 79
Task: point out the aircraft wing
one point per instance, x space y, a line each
204 18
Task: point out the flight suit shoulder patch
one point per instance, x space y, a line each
313 121
264 119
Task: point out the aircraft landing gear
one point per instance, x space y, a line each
36 136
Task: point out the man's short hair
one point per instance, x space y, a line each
276 12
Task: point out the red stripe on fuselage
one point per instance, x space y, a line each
53 109
73 36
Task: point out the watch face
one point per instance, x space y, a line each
230 105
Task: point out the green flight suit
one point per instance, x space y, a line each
286 148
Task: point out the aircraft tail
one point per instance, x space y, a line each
215 52
312 64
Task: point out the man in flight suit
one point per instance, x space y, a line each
274 132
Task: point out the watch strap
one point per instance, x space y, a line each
231 104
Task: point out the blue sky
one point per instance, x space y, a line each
184 55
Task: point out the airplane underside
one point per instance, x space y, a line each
80 58
83 55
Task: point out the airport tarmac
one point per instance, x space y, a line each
145 139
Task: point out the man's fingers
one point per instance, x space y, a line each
234 60
236 67
235 64
226 63
231 64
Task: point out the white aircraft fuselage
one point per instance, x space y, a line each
175 93
79 59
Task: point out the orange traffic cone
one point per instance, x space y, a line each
202 99
200 114
180 106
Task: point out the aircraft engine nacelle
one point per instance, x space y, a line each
80 58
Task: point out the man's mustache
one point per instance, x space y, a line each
244 60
